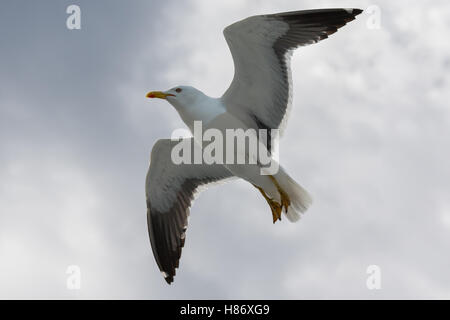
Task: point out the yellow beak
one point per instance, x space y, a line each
158 94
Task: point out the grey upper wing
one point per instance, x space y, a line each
170 188
260 92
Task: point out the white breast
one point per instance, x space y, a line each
205 109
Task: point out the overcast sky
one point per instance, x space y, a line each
368 137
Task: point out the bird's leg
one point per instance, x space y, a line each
285 201
274 206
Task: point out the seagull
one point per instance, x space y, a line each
259 97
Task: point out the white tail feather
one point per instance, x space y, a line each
300 198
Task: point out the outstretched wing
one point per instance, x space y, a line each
260 92
170 188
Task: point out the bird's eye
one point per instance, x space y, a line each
178 90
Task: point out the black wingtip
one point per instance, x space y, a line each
355 12
169 279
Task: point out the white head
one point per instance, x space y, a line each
191 104
181 97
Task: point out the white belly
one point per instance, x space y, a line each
247 171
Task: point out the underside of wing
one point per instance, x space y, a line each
170 189
260 93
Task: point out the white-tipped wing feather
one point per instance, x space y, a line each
170 188
260 92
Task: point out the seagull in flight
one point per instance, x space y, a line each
259 97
